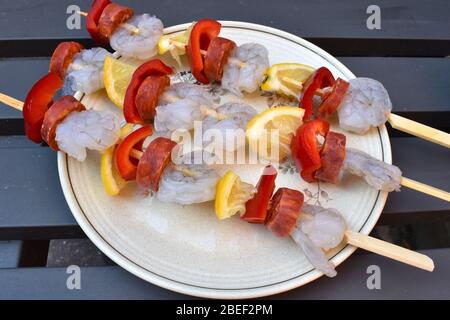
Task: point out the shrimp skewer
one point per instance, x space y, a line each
69 127
365 105
329 161
313 228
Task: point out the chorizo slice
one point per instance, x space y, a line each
217 56
55 115
332 157
155 159
112 17
285 207
63 56
148 95
333 100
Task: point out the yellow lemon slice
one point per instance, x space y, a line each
270 132
286 78
175 44
111 179
231 195
117 76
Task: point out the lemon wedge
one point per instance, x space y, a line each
231 195
175 44
117 76
274 128
111 179
286 78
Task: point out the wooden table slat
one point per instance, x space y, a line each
10 254
115 283
407 26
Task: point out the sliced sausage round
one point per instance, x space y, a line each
148 95
285 207
332 157
63 56
112 17
153 162
217 56
55 115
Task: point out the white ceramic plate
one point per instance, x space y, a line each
185 248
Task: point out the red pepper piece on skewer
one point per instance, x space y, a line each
92 20
126 166
256 207
203 32
153 68
321 78
37 102
305 147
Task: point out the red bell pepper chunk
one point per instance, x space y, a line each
153 68
37 102
203 32
334 99
321 78
92 21
256 208
305 148
126 166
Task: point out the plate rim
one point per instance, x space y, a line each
192 290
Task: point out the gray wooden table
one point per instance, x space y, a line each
409 54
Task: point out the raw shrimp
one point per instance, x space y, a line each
247 76
95 130
378 174
313 253
142 45
325 227
181 105
319 229
366 105
236 117
85 73
188 182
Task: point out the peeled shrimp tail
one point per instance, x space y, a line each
378 174
314 254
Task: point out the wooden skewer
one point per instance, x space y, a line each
419 130
389 250
12 102
424 188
